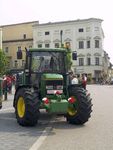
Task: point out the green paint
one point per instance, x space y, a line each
58 106
51 76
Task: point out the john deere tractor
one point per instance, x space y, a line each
45 84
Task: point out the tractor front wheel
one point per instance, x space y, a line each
27 107
80 111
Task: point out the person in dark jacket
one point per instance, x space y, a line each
84 81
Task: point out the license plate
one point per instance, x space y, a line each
53 91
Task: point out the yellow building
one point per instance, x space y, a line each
15 37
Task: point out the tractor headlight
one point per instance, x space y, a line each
49 87
59 87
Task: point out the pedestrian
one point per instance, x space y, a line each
70 74
4 84
74 79
84 81
9 84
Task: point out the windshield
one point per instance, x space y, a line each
47 62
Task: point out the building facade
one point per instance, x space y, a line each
84 36
16 37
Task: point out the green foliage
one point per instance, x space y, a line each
3 62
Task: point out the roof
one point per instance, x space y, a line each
34 22
69 21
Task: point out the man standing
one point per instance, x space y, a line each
74 80
84 81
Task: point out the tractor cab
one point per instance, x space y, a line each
43 62
47 62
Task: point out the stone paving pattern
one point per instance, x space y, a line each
12 135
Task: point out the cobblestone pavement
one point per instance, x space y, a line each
96 134
14 136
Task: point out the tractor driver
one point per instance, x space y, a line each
54 64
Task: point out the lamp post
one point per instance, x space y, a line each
61 33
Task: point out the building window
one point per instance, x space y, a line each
24 36
16 64
88 44
47 33
97 61
68 31
81 30
6 49
57 45
39 45
81 44
19 48
47 45
81 61
88 61
96 28
96 43
56 32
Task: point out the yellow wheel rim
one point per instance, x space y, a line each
21 107
72 111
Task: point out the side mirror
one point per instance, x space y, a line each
74 55
19 54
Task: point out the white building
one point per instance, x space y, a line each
84 36
0 38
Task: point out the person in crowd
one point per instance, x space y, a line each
74 79
4 83
70 73
9 83
84 81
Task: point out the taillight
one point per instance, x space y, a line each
71 100
45 100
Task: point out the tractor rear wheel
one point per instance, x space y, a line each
27 107
81 110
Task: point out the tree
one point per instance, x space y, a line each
3 62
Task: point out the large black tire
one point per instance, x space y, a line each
81 110
27 107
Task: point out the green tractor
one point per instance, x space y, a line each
45 84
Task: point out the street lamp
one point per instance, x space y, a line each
61 33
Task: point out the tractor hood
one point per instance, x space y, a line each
51 76
50 83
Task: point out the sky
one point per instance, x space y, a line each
18 11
